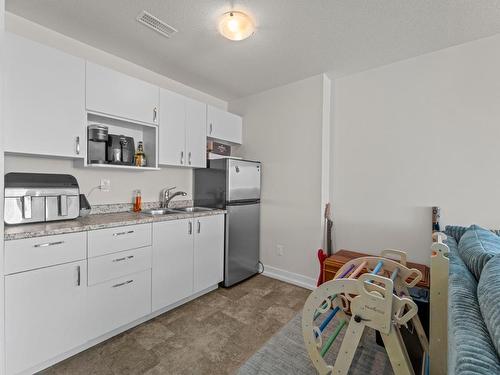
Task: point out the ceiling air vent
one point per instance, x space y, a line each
154 23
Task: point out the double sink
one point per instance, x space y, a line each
168 211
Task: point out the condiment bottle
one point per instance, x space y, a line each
137 201
140 157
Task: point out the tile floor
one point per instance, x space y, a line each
214 334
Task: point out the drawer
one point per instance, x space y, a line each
118 302
111 266
31 253
112 240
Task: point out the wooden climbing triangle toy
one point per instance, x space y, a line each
366 292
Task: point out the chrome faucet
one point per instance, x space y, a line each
167 196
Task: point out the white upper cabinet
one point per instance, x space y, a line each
172 135
223 125
182 131
196 133
44 107
119 95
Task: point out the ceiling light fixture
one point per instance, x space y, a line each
236 25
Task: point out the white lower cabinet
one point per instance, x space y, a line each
188 257
53 310
117 302
208 251
172 262
45 314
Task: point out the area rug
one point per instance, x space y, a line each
285 353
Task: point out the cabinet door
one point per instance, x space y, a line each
172 139
224 125
44 314
208 251
172 262
44 108
118 302
196 133
118 95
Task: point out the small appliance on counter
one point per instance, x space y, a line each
121 149
97 144
38 197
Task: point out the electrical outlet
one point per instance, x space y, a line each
279 249
105 185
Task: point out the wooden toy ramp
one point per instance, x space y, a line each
366 292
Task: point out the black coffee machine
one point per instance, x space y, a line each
104 148
97 147
121 149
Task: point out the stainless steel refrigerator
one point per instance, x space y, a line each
234 185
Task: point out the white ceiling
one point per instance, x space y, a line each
295 39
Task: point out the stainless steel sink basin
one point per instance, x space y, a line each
193 209
160 211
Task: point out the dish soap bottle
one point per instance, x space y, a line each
137 201
140 157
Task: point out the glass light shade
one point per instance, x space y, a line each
236 25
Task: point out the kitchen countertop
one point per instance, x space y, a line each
94 222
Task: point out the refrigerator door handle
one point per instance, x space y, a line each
242 203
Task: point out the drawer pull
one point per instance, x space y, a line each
122 284
122 259
122 233
49 244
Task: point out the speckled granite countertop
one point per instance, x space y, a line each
93 222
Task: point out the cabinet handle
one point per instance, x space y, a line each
189 157
190 228
122 259
48 244
78 145
78 276
182 157
199 226
122 233
122 284
211 128
155 114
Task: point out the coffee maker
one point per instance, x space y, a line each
121 149
97 144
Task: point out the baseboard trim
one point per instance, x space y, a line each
290 277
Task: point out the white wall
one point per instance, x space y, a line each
2 300
123 183
283 128
414 134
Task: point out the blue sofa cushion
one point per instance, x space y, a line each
488 295
470 349
476 247
455 231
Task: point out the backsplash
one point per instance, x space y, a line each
126 207
123 183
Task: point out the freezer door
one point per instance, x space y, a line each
243 180
241 258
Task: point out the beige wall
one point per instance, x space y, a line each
123 183
414 134
283 128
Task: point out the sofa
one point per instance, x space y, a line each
473 300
